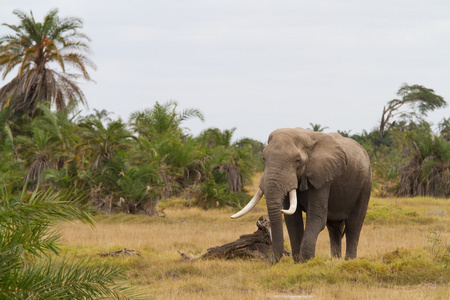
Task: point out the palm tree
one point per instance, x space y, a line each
216 137
101 142
444 128
344 133
161 119
427 173
101 115
40 152
317 127
35 48
53 143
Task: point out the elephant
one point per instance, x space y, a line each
327 176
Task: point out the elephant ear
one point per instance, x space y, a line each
326 161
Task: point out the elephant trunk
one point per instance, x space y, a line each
275 193
276 224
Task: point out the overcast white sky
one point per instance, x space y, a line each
259 65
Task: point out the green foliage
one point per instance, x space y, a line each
161 119
128 169
407 158
27 238
217 194
317 127
137 184
427 171
444 128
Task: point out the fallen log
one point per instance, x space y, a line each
255 245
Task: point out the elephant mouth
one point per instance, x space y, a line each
258 196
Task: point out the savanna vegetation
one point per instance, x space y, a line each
56 164
403 254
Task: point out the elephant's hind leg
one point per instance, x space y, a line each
336 232
354 223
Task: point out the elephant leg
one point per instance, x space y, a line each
354 224
316 217
294 224
336 232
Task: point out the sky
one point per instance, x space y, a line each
259 65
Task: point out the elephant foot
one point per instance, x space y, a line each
296 259
273 259
305 258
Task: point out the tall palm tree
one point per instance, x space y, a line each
36 49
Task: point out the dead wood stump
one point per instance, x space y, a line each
255 245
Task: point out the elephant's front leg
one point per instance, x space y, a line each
294 224
316 216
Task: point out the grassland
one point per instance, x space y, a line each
403 254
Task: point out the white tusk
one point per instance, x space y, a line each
249 205
293 203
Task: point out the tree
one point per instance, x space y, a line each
100 115
317 127
40 152
35 48
102 143
427 173
216 137
444 128
344 133
420 100
161 119
163 142
51 143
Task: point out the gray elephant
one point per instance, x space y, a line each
329 175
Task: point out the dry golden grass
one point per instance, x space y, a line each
393 224
193 231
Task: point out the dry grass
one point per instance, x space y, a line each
394 224
396 255
193 231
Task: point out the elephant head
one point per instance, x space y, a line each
295 160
